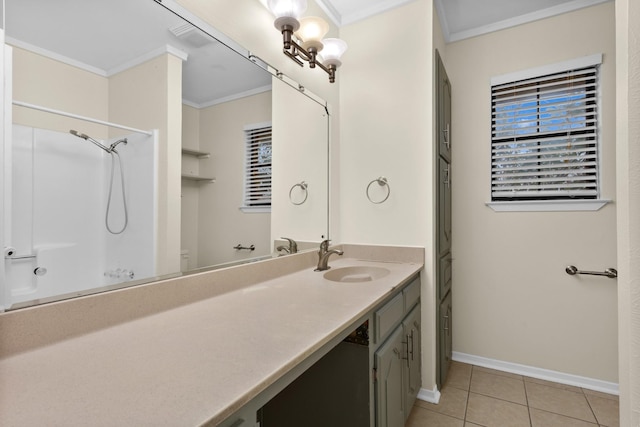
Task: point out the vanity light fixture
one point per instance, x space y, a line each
302 38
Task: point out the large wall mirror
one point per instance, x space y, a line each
142 147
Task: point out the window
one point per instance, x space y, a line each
257 171
544 136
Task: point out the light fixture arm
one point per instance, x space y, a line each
296 52
287 36
303 37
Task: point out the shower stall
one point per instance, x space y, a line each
79 213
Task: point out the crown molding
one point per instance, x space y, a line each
512 22
56 57
376 8
167 49
233 97
95 70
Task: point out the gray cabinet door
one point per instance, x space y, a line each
443 122
413 379
443 219
445 338
444 206
444 276
389 382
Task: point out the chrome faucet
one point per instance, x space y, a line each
292 249
323 255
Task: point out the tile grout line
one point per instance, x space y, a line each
590 407
526 399
466 406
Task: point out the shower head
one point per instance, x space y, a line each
79 135
88 138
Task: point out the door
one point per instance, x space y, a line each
445 337
389 381
413 380
443 218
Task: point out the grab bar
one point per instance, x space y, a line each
20 257
611 273
240 247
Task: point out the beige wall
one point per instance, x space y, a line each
149 96
45 82
387 130
628 167
221 223
190 199
299 154
512 299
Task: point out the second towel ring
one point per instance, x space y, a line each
382 182
305 187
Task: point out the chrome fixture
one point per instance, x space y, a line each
113 152
309 32
110 149
323 255
291 249
611 273
239 247
40 271
304 188
382 182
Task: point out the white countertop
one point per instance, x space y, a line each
191 364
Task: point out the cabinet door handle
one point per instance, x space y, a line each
446 321
411 336
445 135
447 177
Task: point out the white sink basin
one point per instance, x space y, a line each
356 274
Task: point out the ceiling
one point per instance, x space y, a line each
460 19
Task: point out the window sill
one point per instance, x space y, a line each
548 205
255 209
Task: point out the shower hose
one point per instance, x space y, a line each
124 199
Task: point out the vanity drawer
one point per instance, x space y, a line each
411 294
388 316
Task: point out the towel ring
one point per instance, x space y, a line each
305 187
382 181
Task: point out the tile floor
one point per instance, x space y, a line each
475 396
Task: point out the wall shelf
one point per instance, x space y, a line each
196 153
199 155
198 178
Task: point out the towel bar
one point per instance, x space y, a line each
611 273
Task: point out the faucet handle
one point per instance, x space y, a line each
293 245
324 245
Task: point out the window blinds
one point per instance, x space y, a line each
544 142
258 166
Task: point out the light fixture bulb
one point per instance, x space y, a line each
312 30
287 12
332 51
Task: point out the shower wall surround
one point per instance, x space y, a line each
59 190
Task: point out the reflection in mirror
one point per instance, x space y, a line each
87 211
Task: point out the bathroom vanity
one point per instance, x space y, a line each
227 347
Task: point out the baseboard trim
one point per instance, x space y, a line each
543 374
431 396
